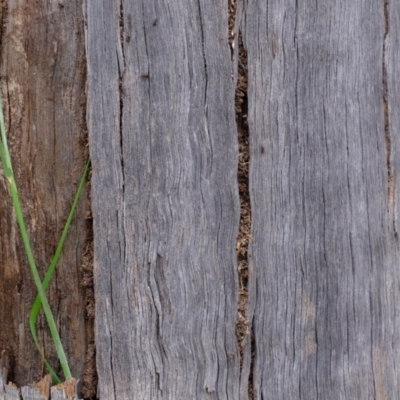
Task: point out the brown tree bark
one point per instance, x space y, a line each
43 70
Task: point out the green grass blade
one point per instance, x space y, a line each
53 374
4 153
37 304
46 307
7 166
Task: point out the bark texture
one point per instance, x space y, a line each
43 80
165 200
324 185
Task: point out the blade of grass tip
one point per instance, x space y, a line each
37 304
8 171
6 160
53 374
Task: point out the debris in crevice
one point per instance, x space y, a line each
121 63
243 325
388 142
89 379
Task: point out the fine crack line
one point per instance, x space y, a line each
121 68
205 64
388 140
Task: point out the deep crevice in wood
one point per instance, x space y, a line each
121 92
388 140
89 379
243 326
203 50
385 96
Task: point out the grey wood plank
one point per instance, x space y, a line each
29 393
3 373
324 254
165 202
7 390
60 394
11 392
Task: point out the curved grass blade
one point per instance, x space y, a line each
8 172
37 304
53 374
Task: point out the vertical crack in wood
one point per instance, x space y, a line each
390 189
90 376
88 387
120 215
244 333
121 66
204 58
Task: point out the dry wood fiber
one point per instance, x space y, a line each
43 80
324 252
164 152
392 102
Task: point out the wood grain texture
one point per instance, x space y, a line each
11 392
29 393
324 253
392 91
165 200
43 69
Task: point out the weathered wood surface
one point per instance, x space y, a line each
324 254
43 69
165 202
392 88
32 394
